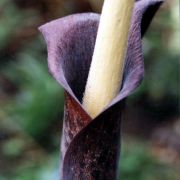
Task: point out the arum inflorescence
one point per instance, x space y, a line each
91 146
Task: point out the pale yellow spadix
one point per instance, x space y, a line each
106 71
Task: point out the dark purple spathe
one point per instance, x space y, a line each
90 147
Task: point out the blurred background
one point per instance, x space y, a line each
31 102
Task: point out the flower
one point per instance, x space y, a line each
90 147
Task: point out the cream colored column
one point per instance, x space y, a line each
106 71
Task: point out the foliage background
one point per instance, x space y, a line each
31 102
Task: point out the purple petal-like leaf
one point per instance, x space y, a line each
90 147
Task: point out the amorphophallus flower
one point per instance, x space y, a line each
91 146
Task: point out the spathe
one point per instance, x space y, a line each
90 147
